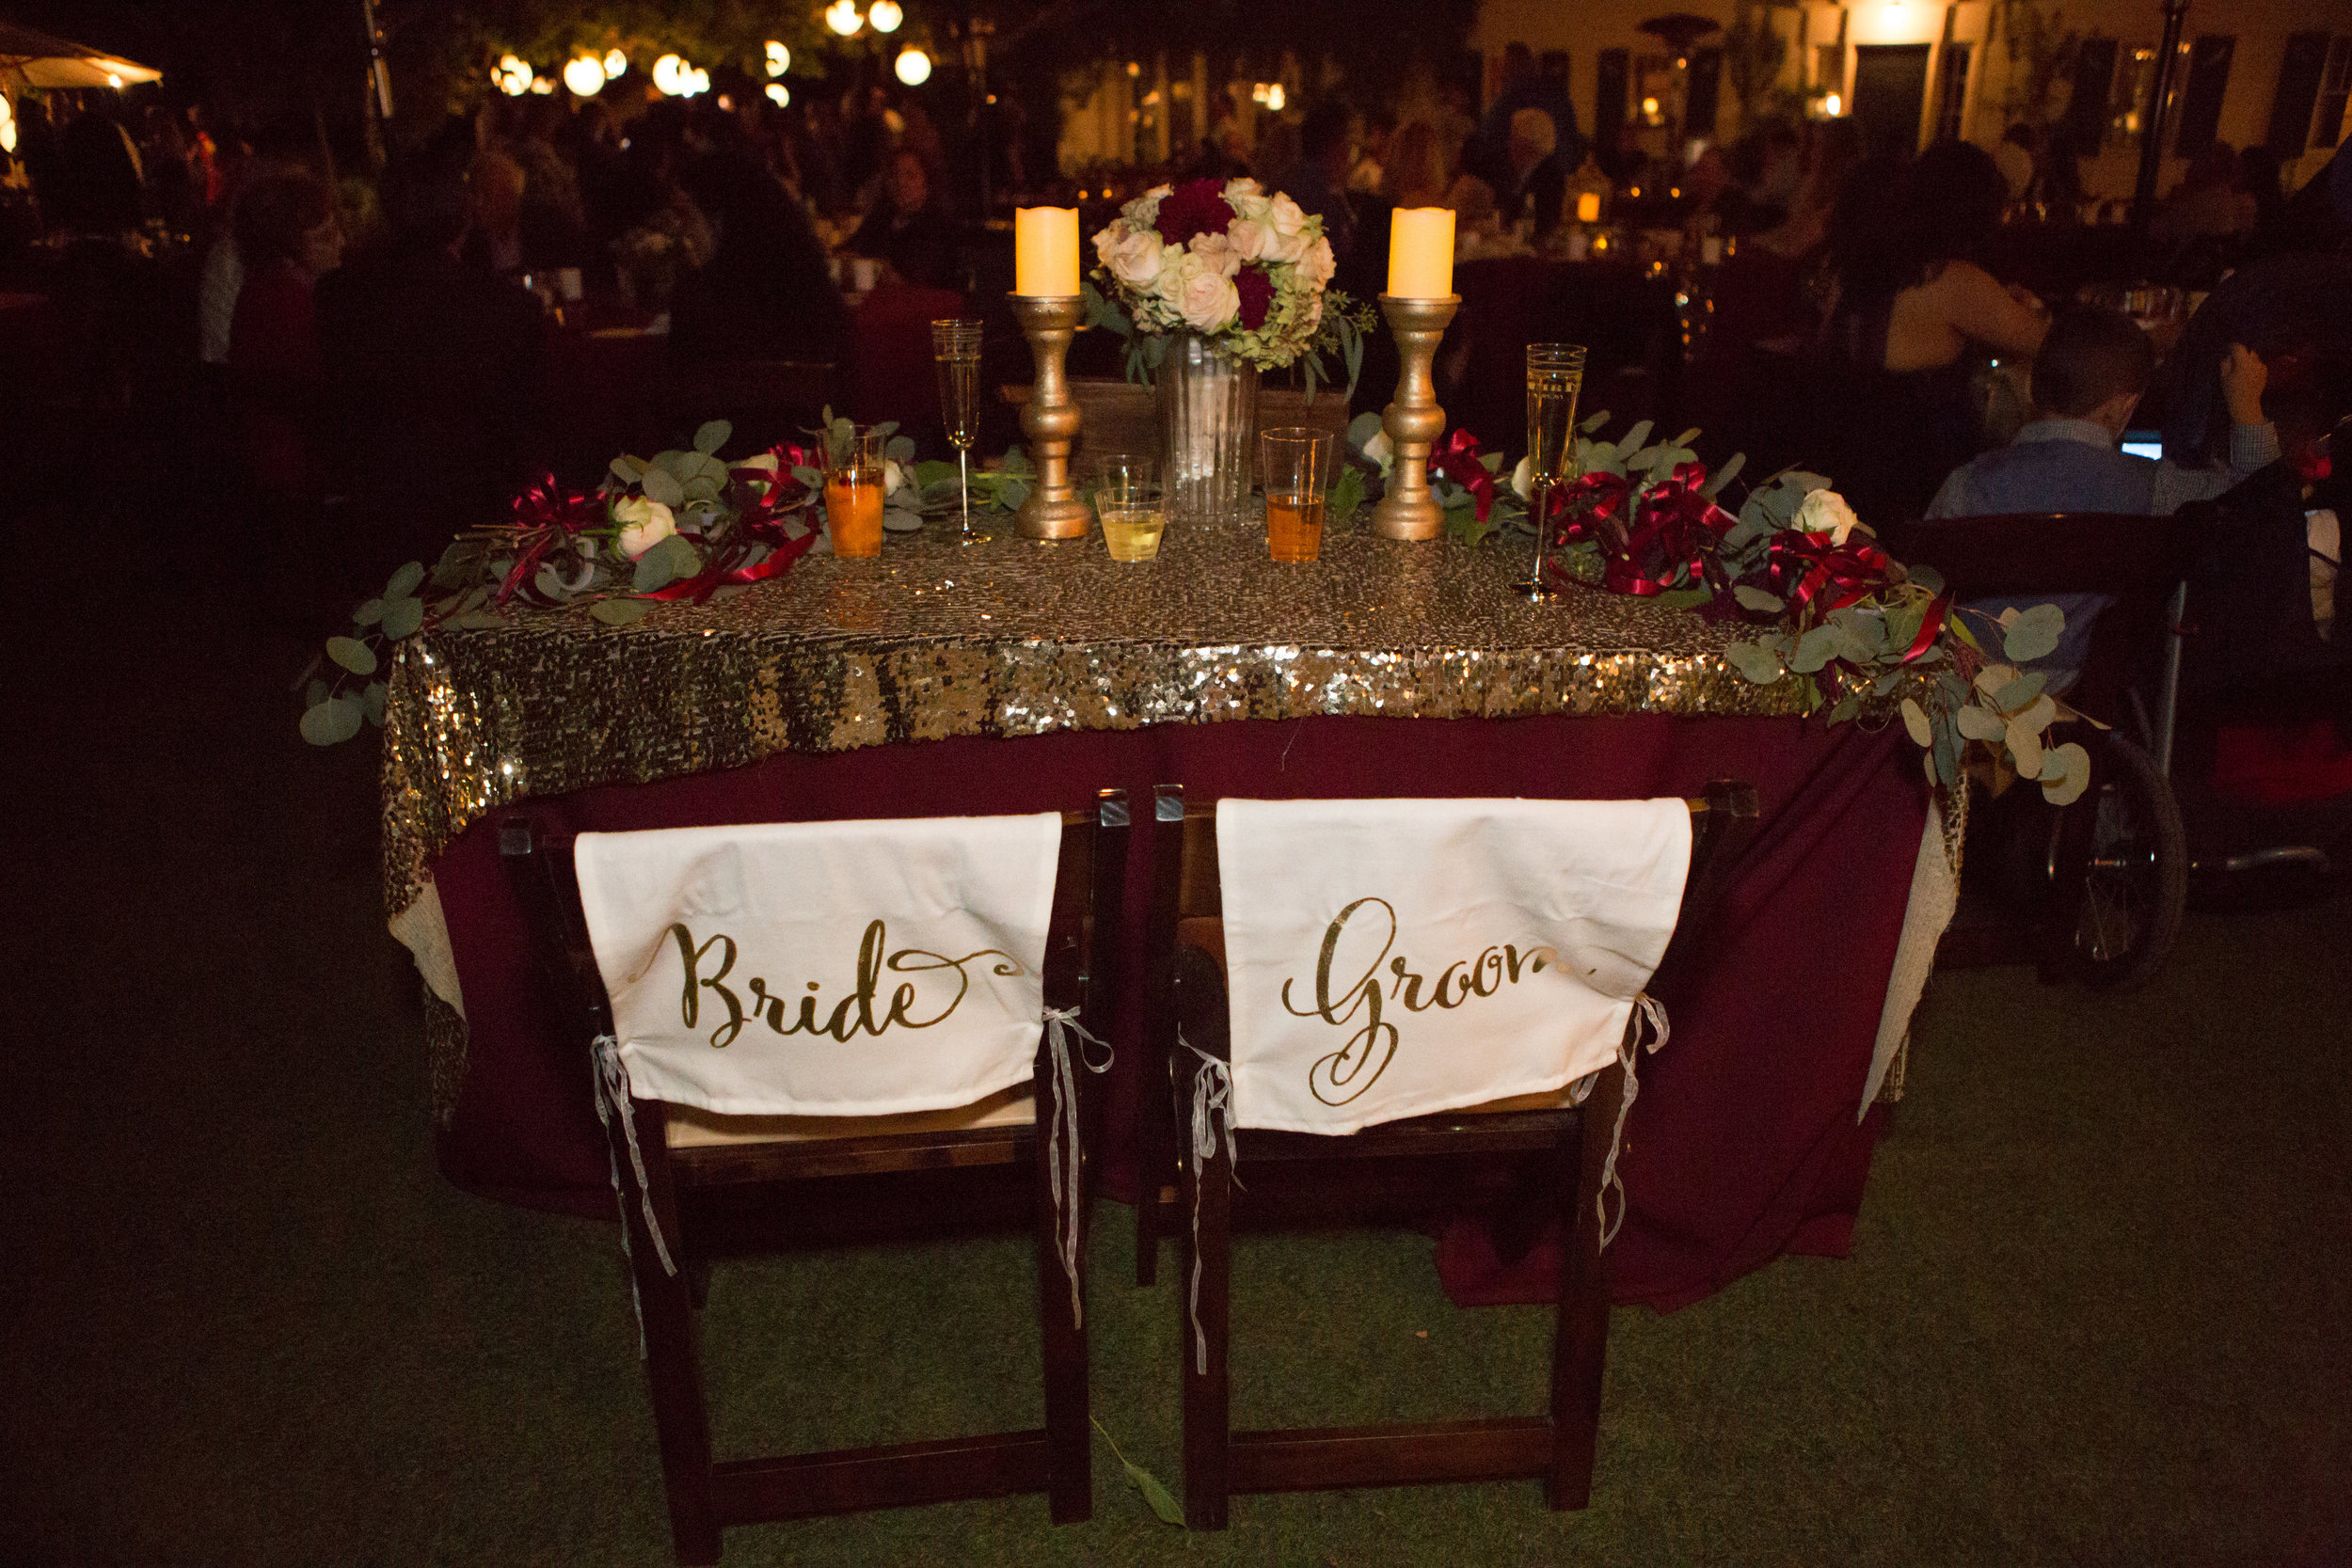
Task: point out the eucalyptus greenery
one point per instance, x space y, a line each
681 520
1961 691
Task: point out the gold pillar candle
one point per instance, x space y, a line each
1045 252
1421 253
1413 420
1050 420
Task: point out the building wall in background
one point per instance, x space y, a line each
2122 34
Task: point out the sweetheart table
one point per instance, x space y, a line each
1014 675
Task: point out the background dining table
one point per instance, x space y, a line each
1021 677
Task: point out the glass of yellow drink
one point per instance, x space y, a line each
1297 467
1127 499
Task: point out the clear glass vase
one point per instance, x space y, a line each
1208 426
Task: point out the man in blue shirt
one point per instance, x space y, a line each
2087 379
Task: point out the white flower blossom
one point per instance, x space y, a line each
644 523
1826 512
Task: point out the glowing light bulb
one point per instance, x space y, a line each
669 75
780 95
542 85
1834 105
841 16
779 58
885 15
512 77
915 67
1275 98
584 76
614 64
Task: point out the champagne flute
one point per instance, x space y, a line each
956 351
1555 376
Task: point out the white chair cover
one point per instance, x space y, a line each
1389 958
837 969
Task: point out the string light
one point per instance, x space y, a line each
584 76
780 95
885 16
670 73
614 64
511 77
915 67
841 16
779 58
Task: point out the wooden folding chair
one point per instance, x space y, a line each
1417 1162
701 1173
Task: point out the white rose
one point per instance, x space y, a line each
1145 210
1132 257
893 475
1826 512
1241 188
1252 239
1286 216
1317 265
765 459
1523 479
1207 301
1217 251
644 523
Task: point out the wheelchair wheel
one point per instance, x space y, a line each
2123 852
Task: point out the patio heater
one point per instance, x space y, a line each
2160 107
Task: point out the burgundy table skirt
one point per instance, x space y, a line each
1744 1143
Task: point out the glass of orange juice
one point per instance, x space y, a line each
1297 467
853 493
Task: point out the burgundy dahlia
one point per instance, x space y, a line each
1194 207
1256 287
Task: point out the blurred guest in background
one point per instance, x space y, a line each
1415 173
433 371
1533 183
1490 154
765 292
287 239
1319 183
1908 322
908 228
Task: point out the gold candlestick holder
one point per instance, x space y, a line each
1413 421
1050 420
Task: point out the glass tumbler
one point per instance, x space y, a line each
853 493
1297 467
1128 501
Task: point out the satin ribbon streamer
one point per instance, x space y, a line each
1061 1023
1211 1106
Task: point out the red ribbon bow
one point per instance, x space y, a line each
1673 537
1802 567
544 519
1458 460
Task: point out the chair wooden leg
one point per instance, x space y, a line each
1201 1321
674 1376
1579 1352
1154 1165
1070 1474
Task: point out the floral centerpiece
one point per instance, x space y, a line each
1250 273
1209 282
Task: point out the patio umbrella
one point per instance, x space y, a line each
34 60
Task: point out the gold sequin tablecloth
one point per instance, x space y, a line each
1011 638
